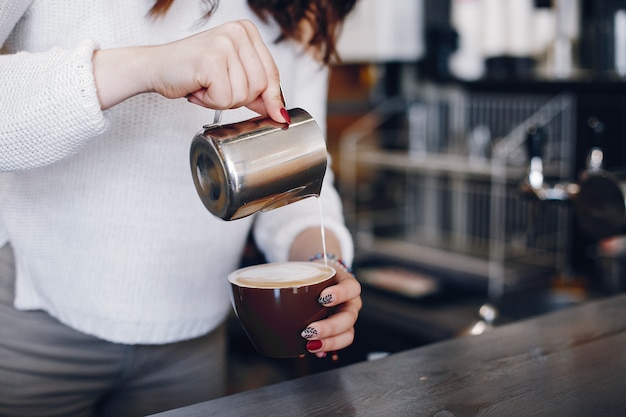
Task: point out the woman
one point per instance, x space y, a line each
118 299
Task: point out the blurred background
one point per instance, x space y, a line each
478 147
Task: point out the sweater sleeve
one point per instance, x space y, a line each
275 230
50 106
11 11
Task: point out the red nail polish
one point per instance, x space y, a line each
285 115
313 345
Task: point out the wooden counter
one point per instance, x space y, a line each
565 364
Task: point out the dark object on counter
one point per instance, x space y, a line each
441 42
504 68
600 207
598 46
536 140
569 363
600 202
598 196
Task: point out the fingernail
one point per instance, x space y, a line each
326 299
309 333
313 345
285 115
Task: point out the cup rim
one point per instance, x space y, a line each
332 273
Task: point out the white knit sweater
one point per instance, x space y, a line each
109 234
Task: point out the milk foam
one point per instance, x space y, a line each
280 275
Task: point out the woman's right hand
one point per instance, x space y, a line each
226 67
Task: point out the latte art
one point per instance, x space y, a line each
281 275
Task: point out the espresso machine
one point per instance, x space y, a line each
597 196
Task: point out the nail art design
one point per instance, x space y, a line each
309 333
326 299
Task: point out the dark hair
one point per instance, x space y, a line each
323 16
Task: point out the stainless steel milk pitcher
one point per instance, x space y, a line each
258 164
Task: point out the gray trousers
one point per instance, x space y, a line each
48 369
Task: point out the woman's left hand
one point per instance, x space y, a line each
337 331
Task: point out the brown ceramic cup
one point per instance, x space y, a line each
275 302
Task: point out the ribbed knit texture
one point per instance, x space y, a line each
108 231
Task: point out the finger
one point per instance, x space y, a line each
329 344
195 98
271 96
239 85
232 93
258 106
340 322
225 77
347 288
254 70
217 95
215 79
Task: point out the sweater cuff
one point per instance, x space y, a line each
55 107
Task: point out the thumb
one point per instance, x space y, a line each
274 102
276 110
